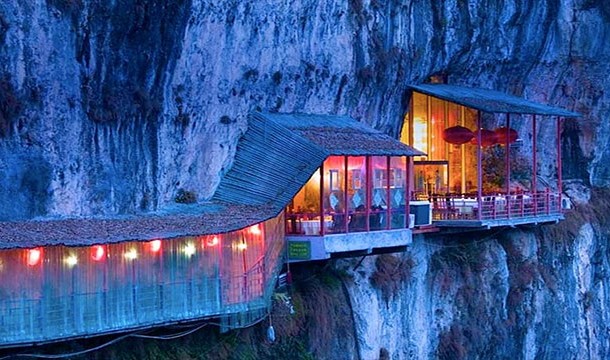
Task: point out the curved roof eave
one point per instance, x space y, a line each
490 100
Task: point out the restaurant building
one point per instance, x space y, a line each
480 176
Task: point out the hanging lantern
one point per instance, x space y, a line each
503 137
457 135
98 252
488 138
33 256
154 246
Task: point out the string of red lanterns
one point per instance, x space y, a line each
459 135
98 253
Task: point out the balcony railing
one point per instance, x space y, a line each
496 206
312 224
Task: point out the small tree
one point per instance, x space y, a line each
494 169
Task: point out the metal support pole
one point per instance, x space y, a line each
388 201
322 230
345 198
508 205
367 190
559 168
479 168
409 163
534 166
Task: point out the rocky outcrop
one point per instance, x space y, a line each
537 293
112 107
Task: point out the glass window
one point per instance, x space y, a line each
305 207
335 218
356 193
379 193
398 186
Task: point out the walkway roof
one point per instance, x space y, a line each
489 100
274 158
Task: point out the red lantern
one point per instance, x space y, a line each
457 135
34 256
488 138
503 137
98 252
154 246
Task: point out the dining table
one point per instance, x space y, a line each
312 227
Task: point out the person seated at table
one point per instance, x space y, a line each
376 217
358 220
338 220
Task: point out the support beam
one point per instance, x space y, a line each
479 168
322 230
388 201
507 150
367 191
408 175
534 165
559 165
345 199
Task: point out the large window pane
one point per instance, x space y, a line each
398 188
335 218
356 193
379 193
305 208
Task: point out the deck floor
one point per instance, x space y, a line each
489 223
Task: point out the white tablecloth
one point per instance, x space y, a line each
312 227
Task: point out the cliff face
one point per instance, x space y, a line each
538 293
111 107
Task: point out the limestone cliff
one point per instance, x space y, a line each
111 107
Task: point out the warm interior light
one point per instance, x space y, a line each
131 254
155 245
98 252
255 229
34 256
213 241
71 260
189 249
420 134
242 246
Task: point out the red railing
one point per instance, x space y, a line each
496 206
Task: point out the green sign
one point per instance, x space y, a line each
299 250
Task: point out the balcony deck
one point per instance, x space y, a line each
496 210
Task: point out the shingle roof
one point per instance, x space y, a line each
342 135
489 100
216 219
280 152
275 157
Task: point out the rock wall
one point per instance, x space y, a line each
110 107
528 293
523 294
